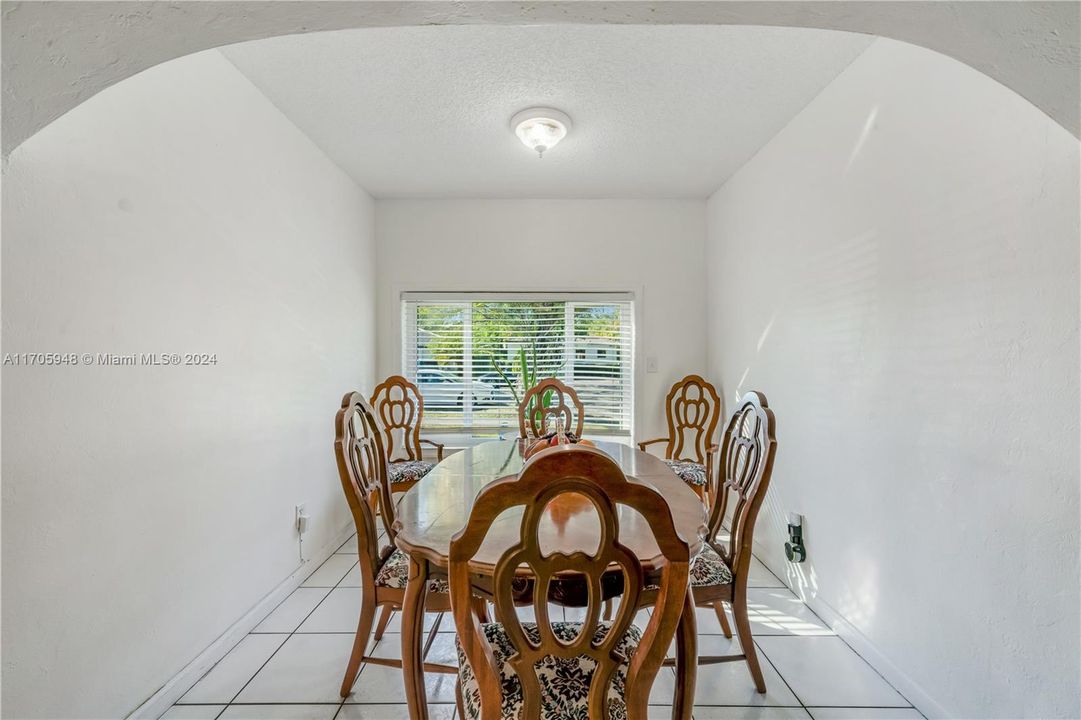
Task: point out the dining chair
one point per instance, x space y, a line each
545 669
400 408
720 572
362 468
550 397
693 410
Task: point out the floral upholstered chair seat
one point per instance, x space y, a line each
394 573
409 470
691 473
709 569
564 682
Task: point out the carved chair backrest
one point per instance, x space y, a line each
562 401
362 468
693 410
748 447
400 408
586 477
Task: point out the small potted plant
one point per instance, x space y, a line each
523 377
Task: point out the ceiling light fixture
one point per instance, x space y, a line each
540 128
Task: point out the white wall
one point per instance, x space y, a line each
651 247
146 509
898 271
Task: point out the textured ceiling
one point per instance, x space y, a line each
657 111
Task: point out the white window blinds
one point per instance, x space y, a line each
455 345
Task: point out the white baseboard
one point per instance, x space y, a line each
167 695
869 652
865 648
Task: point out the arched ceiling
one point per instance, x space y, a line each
58 54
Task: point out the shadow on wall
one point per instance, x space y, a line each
834 302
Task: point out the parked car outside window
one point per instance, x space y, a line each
442 389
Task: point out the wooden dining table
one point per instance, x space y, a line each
435 509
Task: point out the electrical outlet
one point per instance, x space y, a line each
794 549
301 523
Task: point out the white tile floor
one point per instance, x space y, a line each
291 665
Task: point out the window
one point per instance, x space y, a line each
455 346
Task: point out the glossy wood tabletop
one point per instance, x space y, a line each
435 509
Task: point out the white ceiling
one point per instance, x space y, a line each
658 111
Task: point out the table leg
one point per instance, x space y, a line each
412 638
686 660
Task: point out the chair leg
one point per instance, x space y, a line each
743 629
416 590
722 617
360 644
608 605
686 661
385 618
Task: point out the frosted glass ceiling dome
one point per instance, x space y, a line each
540 128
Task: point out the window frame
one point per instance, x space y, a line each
467 435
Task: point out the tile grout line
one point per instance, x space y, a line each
806 707
788 685
856 652
876 672
234 647
255 630
288 637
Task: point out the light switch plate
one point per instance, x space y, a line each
651 364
